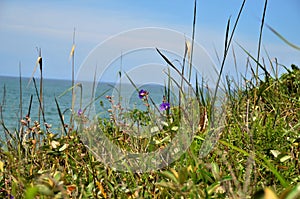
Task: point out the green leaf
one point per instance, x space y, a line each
57 175
44 190
31 192
168 185
183 175
294 193
63 147
285 158
174 128
167 138
215 171
212 188
154 129
169 175
275 153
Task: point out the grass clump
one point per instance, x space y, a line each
263 121
257 152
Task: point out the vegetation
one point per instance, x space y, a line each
256 153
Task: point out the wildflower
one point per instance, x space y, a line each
164 106
80 112
143 93
11 196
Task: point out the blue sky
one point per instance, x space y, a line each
25 25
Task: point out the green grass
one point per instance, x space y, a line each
256 150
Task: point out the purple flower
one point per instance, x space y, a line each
80 112
143 93
11 196
164 106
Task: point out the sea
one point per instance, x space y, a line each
15 98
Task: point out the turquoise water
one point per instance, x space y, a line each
10 100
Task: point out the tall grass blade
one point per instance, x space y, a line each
256 61
282 38
174 67
261 160
40 103
274 70
120 77
200 92
186 50
7 133
3 104
168 93
193 40
228 44
20 98
68 90
80 102
217 55
61 116
184 60
260 36
197 88
40 61
72 56
132 83
235 65
29 108
175 82
93 89
213 135
226 37
94 100
34 70
226 51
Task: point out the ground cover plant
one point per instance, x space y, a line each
256 153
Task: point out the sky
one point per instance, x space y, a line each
49 25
